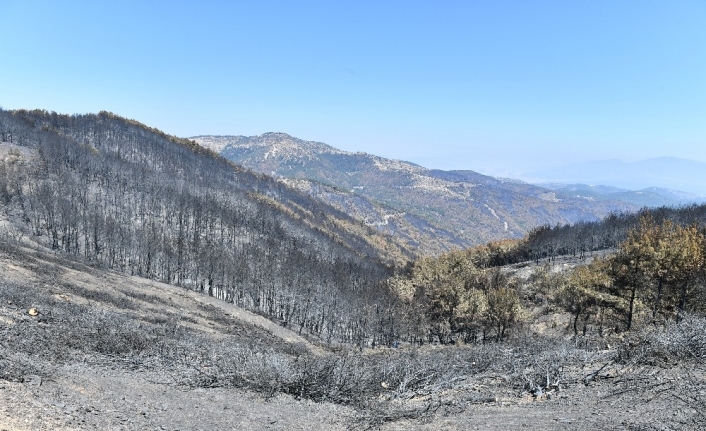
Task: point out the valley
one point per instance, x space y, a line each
147 282
352 216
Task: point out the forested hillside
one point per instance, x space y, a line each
131 198
126 197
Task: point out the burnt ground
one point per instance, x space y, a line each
92 397
110 352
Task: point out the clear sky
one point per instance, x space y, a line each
501 87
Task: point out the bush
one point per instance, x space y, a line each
675 342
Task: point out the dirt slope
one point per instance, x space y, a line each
86 398
151 296
103 393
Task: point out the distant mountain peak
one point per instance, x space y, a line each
272 145
395 165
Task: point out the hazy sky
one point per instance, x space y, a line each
501 87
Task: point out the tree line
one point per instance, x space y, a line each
580 239
658 274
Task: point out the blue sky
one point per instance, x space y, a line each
501 87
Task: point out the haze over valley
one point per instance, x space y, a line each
682 176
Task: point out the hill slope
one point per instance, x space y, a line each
130 198
430 209
112 351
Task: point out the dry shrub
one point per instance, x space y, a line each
678 350
675 342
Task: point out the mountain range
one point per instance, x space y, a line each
430 210
664 172
648 197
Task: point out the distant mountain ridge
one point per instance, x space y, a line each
662 172
648 197
432 210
